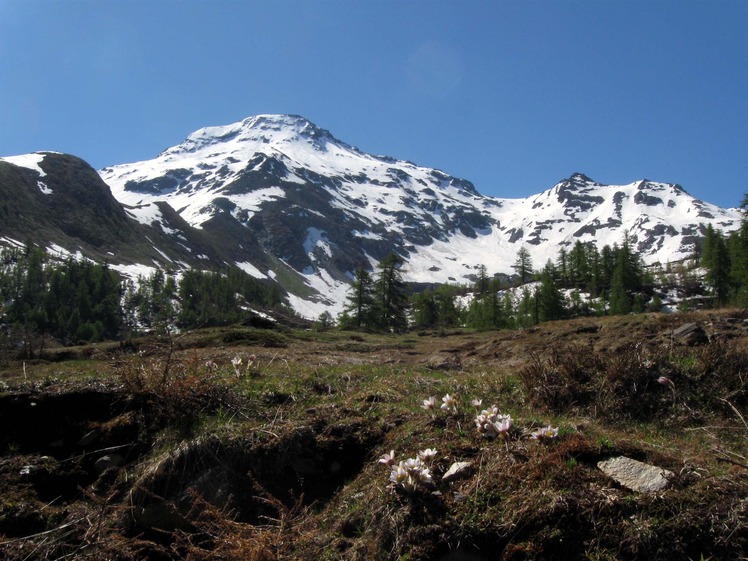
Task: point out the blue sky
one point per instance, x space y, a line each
513 96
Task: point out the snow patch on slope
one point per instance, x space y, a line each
251 270
28 161
31 161
316 239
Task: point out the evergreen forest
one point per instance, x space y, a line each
76 300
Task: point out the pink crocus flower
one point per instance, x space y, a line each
388 459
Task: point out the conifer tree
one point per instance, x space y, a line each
425 308
391 295
549 298
716 260
482 283
523 265
562 267
447 310
359 312
738 249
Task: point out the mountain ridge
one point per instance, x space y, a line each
287 201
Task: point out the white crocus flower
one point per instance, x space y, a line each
502 424
424 476
236 362
429 404
398 475
450 404
427 455
412 465
545 433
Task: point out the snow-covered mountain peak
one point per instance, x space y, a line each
235 160
259 133
277 191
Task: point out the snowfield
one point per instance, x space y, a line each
445 227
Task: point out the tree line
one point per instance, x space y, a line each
725 260
582 281
77 300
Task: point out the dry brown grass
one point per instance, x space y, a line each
297 442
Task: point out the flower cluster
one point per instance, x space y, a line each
449 404
545 434
411 473
491 424
236 362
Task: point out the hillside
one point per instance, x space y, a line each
240 443
59 202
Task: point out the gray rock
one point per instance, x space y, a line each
691 334
108 461
635 475
458 470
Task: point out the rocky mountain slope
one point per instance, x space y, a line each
278 191
286 201
60 202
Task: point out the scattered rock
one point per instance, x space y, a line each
635 475
440 362
458 470
108 461
691 334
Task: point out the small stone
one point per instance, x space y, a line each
635 475
458 470
108 461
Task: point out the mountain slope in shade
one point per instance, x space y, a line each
59 202
287 200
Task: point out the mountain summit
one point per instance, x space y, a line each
288 202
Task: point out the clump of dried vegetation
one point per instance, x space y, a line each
284 459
